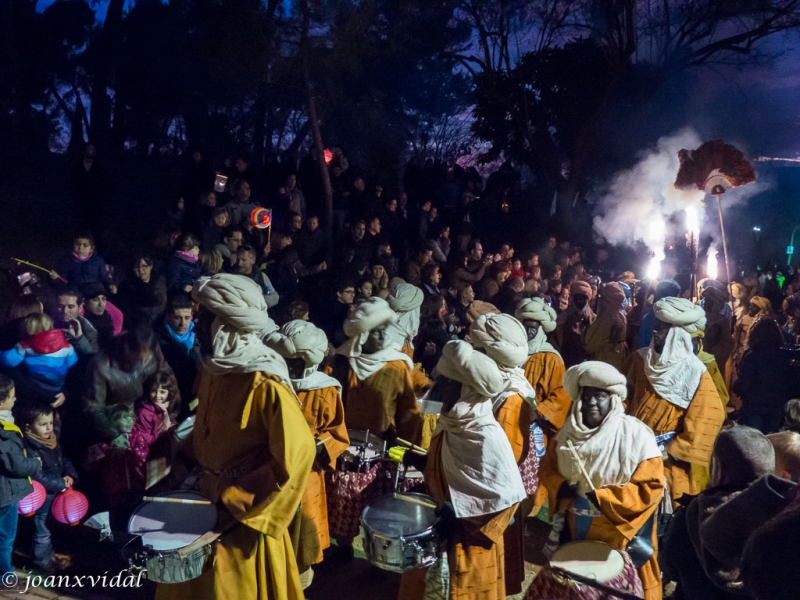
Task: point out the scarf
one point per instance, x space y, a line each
49 442
539 343
188 257
6 416
477 460
675 373
515 382
80 258
611 452
237 332
315 380
185 339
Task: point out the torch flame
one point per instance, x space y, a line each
654 268
692 223
711 263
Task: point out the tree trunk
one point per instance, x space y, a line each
100 133
314 122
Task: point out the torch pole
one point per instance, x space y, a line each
724 239
692 266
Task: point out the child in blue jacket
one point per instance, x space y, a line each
83 266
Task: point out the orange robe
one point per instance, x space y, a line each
625 509
324 414
696 427
545 372
474 553
250 432
515 416
384 398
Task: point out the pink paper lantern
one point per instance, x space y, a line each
69 507
328 156
33 501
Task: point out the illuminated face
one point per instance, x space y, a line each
467 295
221 220
425 257
296 223
211 200
359 229
67 308
159 396
436 277
9 401
312 224
142 270
359 184
180 319
595 404
82 247
243 192
347 295
378 271
42 426
477 252
245 262
366 289
234 241
531 328
96 306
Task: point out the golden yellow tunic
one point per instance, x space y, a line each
716 375
545 372
252 423
384 398
324 414
474 553
625 509
696 427
605 340
515 417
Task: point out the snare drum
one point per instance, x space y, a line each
170 532
399 534
591 559
364 451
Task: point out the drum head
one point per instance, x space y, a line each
168 526
590 559
395 516
359 438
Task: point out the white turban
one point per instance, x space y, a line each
612 451
594 373
680 312
301 339
534 309
405 300
462 363
240 325
502 337
370 315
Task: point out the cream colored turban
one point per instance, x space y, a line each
301 339
368 316
462 363
594 373
534 309
502 337
405 297
680 312
235 300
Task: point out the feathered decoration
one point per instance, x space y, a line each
717 159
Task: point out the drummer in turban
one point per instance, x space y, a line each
670 390
303 345
619 455
471 471
405 300
573 322
253 445
505 341
380 391
605 338
544 368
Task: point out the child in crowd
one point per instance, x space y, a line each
57 474
118 463
16 469
43 356
153 414
83 266
787 454
183 268
212 231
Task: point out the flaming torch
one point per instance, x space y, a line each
692 235
711 263
658 232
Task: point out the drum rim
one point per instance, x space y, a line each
411 536
197 496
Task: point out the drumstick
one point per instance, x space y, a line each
414 447
580 463
174 500
414 500
323 440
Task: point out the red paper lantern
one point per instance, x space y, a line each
33 501
69 507
328 156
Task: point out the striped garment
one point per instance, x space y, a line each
46 357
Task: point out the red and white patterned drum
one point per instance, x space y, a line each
595 560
